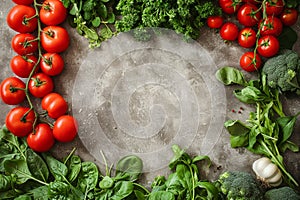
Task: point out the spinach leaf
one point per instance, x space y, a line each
5 182
122 189
88 177
131 165
58 169
37 165
236 127
74 166
162 195
230 75
18 168
286 126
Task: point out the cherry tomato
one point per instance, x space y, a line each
55 105
270 26
53 12
247 37
12 91
248 63
23 65
42 139
65 128
274 7
247 15
289 16
229 6
55 39
21 19
19 121
52 64
40 85
23 2
268 46
229 31
215 21
24 43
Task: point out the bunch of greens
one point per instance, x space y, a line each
184 16
184 183
268 129
26 175
92 19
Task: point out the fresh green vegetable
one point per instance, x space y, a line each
268 129
236 185
283 71
183 16
283 193
184 183
92 18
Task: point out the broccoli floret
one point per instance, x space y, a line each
283 193
237 185
283 71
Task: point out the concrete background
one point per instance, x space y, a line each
94 83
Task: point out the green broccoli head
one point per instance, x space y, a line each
283 193
236 185
283 71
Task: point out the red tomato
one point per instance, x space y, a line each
268 46
19 121
215 21
24 43
249 63
247 15
55 105
42 139
21 19
270 26
274 7
55 39
65 128
40 85
247 37
229 31
12 91
289 16
23 65
23 2
53 12
52 64
229 6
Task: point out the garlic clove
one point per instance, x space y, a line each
269 171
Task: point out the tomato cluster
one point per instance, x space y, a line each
256 26
38 42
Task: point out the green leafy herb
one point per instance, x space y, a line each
268 129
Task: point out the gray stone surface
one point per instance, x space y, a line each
139 98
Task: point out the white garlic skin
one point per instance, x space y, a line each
267 172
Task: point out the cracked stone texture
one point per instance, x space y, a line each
140 98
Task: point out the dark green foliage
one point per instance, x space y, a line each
183 16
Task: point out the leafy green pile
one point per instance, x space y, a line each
184 183
268 129
92 19
27 175
183 16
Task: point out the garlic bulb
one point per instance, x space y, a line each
267 172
